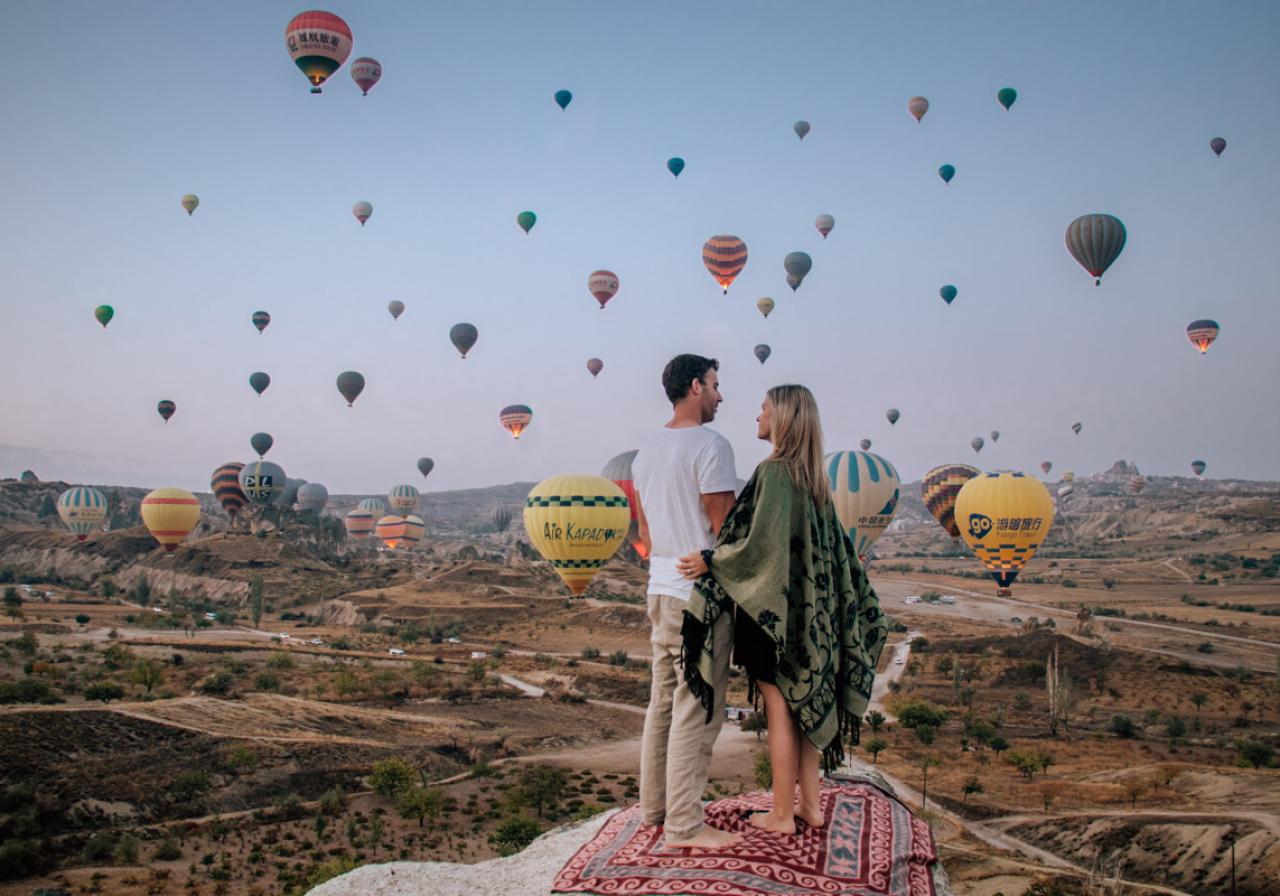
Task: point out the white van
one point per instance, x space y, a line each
396 651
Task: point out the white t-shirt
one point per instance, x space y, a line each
672 472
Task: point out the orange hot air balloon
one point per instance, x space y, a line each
725 256
390 530
170 514
515 418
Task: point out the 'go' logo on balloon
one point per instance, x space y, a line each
979 525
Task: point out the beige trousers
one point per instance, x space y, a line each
676 746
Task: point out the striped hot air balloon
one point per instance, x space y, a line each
577 522
463 336
376 506
318 42
403 499
366 72
1095 241
939 489
225 484
82 510
1137 484
725 256
594 366
865 489
359 524
390 530
170 514
414 529
515 418
618 471
165 408
260 320
825 224
1198 467
1202 334
603 285
1004 517
189 203
363 211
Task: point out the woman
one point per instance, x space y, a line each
809 628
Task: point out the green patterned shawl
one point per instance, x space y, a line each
790 566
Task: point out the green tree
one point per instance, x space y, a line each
998 744
926 734
390 776
1199 698
971 786
1256 753
514 834
190 785
147 673
11 597
875 719
103 690
540 786
757 722
420 803
914 713
1027 761
1123 726
875 746
116 656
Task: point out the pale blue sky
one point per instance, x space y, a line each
113 111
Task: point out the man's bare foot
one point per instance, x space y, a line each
810 816
773 823
707 837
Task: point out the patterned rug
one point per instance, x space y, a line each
870 845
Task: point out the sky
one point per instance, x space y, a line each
113 111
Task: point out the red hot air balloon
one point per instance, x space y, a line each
1202 333
725 256
604 286
318 42
618 471
366 72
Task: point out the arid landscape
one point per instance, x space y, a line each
272 705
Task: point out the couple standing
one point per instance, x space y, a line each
769 577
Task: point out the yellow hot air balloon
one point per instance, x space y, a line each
1004 517
577 522
170 514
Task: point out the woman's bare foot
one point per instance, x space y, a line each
773 823
812 816
707 837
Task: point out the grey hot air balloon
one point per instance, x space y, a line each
825 224
262 482
426 465
1217 144
917 106
1095 241
1076 427
976 443
313 496
797 265
290 495
801 128
865 444
594 366
259 381
396 307
762 352
995 435
350 385
463 337
261 442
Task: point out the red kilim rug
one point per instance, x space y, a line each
870 845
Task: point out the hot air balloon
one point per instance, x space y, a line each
618 471
390 531
1198 467
948 293
515 418
350 385
764 305
1076 427
426 465
917 106
939 489
189 202
104 313
362 210
170 514
259 381
1046 466
864 489
1217 144
403 499
595 365
261 442
797 265
82 510
563 98
526 220
165 408
260 320
1068 476
313 496
318 42
366 72
762 352
414 529
976 443
675 165
376 506
1137 484
359 524
396 308
28 476
725 256
1006 96
1095 241
263 482
577 522
603 285
824 223
892 415
1066 491
225 484
995 435
801 128
463 337
865 444
1004 518
1202 333
946 172
289 496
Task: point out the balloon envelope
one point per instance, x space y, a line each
225 484
1198 467
263 482
165 408
350 385
259 381
366 72
1068 476
946 172
1004 518
563 98
358 523
801 128
603 285
362 210
426 465
976 443
1076 427
948 293
261 443
939 489
318 42
1046 466
865 489
1137 484
390 530
1202 333
762 352
526 220
724 256
169 515
917 106
290 495
825 224
414 529
1095 241
595 365
1006 96
313 496
865 444
376 506
577 522
797 266
675 165
82 510
463 337
396 307
995 435
618 471
892 415
515 418
104 313
260 320
764 305
190 202
1217 144
403 499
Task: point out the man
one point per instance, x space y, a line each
685 479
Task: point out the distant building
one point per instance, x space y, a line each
737 713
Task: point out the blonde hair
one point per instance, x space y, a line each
796 433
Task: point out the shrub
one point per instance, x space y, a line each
217 683
514 834
27 690
190 785
168 850
99 847
1123 726
618 658
1256 753
333 802
1206 647
105 691
914 713
390 776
